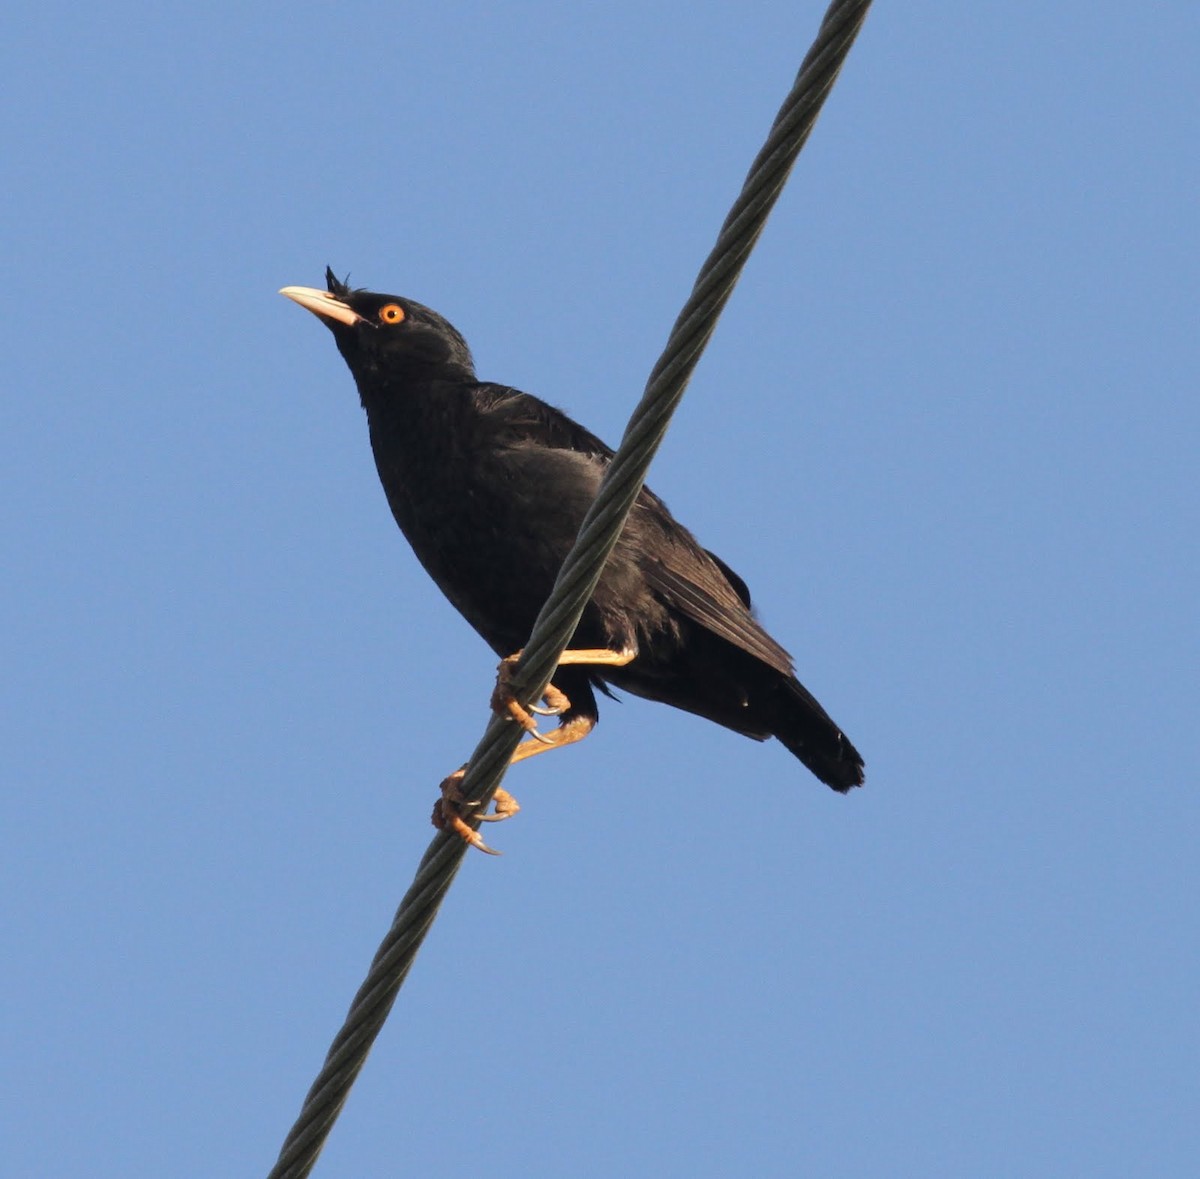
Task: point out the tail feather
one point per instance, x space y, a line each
807 731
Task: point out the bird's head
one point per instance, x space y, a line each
386 338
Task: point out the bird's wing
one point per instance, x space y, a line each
698 585
514 418
690 579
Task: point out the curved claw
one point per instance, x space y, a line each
483 847
506 807
445 819
449 810
516 712
558 710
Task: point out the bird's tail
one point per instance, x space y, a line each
806 729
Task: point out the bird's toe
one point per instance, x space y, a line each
451 811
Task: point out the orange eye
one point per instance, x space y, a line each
392 313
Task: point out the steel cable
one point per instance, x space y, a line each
578 577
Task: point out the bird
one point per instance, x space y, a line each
489 485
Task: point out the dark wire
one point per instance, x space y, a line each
577 578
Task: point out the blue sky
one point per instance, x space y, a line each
947 432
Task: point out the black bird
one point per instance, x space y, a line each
490 486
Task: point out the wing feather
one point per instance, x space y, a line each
697 587
687 577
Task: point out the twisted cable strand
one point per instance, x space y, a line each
577 579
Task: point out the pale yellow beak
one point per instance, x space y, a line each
322 303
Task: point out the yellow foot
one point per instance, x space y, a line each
451 811
503 700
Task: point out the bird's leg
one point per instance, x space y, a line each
448 811
504 701
452 809
567 733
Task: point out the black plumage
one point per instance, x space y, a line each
490 485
